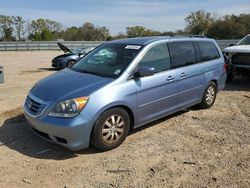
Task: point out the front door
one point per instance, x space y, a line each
156 94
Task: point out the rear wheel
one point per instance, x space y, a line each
111 129
209 96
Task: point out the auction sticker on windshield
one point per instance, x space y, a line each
133 47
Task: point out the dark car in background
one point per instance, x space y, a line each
238 58
70 56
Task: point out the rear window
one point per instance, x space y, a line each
182 53
208 51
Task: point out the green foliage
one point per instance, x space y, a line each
87 32
227 27
140 31
19 25
45 35
6 27
198 22
230 27
44 29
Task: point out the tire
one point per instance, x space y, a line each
209 96
70 63
110 129
230 77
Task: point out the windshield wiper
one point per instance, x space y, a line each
90 72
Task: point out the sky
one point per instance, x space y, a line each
116 15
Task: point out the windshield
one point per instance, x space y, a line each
76 50
108 60
245 41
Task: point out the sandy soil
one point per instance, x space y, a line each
193 148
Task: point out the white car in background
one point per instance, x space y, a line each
238 58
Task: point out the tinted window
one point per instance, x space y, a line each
208 51
109 59
157 57
182 53
245 41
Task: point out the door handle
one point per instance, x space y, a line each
183 75
169 78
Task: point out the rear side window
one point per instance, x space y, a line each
208 51
157 57
182 53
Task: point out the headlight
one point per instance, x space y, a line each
69 108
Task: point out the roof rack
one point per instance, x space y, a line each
198 36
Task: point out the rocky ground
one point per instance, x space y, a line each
193 148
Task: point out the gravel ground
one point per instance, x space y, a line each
192 148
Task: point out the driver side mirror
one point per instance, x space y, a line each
80 54
145 71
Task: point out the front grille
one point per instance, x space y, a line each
241 59
34 107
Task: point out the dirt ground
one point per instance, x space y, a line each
193 148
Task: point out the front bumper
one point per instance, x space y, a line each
72 133
59 63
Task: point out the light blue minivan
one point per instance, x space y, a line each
122 85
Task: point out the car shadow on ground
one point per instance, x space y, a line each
239 83
49 69
158 121
16 135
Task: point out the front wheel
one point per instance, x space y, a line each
111 129
70 63
209 96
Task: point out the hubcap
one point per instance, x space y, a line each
210 95
113 129
71 63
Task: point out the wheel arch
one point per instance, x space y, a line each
216 82
128 109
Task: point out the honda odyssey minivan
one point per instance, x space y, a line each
122 85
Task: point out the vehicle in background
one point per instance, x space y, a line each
238 58
1 75
69 57
122 85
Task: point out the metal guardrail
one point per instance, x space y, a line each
1 75
225 43
44 45
52 45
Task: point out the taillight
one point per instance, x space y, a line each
225 66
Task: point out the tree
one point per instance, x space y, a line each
230 27
70 34
44 29
140 31
6 27
167 33
136 31
19 26
53 26
89 32
102 33
198 22
47 35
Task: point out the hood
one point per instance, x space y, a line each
68 84
238 49
65 57
64 48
